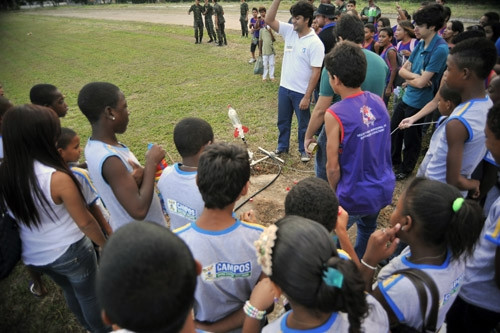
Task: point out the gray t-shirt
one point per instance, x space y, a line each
181 197
401 294
375 322
229 267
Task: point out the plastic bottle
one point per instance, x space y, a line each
160 166
235 120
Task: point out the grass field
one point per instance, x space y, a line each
164 76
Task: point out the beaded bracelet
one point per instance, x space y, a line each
253 312
367 265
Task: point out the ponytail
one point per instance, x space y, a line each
349 297
464 228
443 216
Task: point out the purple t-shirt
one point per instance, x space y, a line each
367 182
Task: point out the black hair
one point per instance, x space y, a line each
476 54
424 3
370 26
191 134
388 31
352 1
449 94
29 134
495 27
223 171
262 9
146 279
468 34
314 199
407 15
254 8
303 251
431 15
95 97
303 8
457 26
492 16
446 13
430 204
350 28
493 120
43 94
385 21
67 134
5 105
347 53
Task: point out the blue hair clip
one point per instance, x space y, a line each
333 277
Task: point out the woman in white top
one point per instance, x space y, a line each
41 193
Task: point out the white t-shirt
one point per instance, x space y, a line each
401 294
182 199
300 55
58 231
96 153
229 267
472 115
376 321
479 286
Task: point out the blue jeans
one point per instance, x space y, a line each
75 272
366 226
288 102
320 166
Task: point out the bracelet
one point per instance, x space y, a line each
367 265
253 312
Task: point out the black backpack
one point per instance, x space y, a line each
10 244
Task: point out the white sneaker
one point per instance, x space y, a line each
251 61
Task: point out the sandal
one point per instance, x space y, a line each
36 293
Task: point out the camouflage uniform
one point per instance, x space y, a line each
198 21
219 12
244 19
208 11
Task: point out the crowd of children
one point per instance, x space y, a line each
215 272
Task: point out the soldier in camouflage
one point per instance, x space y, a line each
208 11
197 9
219 23
244 18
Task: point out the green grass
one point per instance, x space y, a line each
164 76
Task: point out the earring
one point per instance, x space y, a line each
403 228
112 117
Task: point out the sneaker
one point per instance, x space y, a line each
251 61
304 157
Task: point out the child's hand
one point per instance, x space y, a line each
263 294
137 172
155 154
249 216
381 245
342 220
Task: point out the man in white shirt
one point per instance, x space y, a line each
300 71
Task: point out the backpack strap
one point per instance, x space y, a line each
420 280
